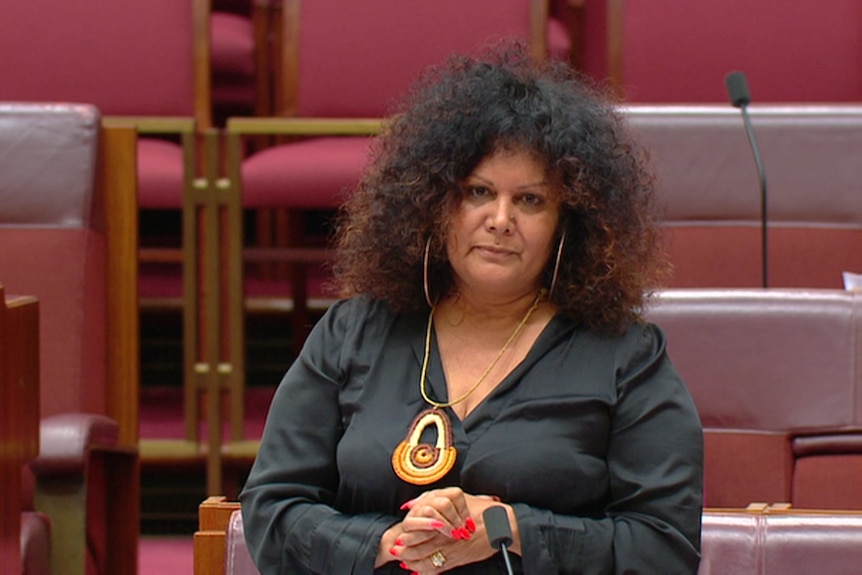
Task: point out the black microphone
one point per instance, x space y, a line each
499 532
740 97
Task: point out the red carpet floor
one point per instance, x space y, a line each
166 555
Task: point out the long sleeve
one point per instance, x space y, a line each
288 501
651 522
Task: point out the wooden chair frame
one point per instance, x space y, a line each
19 422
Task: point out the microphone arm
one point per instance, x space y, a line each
499 532
737 89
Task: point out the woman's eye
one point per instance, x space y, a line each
477 191
532 200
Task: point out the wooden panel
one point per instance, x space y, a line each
19 418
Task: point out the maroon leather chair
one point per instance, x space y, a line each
68 236
709 192
775 379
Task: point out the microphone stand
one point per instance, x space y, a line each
737 88
763 207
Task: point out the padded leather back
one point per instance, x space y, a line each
797 542
729 543
52 244
778 360
709 192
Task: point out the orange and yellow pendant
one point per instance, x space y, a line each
423 463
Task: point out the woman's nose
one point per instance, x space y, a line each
502 219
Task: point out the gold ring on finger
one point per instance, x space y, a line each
437 559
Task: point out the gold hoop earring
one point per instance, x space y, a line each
425 280
557 265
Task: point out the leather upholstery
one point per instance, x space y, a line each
729 543
709 191
775 379
54 244
238 561
753 541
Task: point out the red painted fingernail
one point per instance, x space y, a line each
404 566
393 551
407 505
436 524
465 534
399 542
456 534
471 525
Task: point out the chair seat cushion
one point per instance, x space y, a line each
311 174
232 44
160 174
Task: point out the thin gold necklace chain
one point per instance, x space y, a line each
423 380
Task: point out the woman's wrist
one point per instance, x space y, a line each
387 541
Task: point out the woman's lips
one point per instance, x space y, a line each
495 251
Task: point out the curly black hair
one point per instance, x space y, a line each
458 114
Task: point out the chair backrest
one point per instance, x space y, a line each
127 58
351 59
729 541
680 51
68 235
771 540
774 376
19 415
709 191
800 542
771 360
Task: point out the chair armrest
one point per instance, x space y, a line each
828 444
305 126
154 124
67 439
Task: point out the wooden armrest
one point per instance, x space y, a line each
209 542
305 126
153 124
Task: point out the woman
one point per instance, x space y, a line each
496 256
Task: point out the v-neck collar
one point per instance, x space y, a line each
436 387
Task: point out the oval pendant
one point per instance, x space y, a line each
423 463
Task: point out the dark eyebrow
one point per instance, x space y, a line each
541 184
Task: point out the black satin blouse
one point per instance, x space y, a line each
593 439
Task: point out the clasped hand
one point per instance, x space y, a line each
443 529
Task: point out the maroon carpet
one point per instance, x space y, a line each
166 555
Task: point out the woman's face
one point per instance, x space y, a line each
501 236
